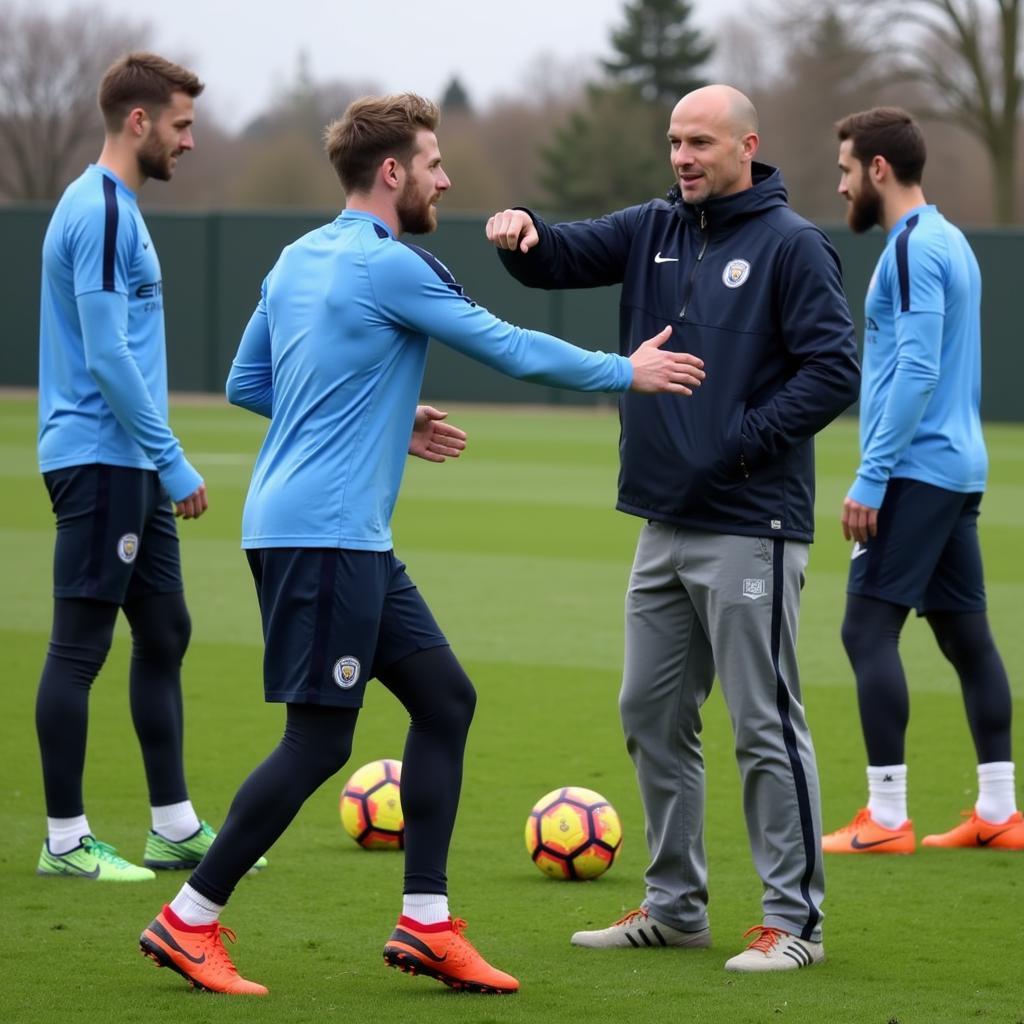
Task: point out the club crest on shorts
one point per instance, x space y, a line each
754 589
346 672
736 273
128 548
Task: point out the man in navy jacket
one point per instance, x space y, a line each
725 481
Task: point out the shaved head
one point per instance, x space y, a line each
723 103
713 138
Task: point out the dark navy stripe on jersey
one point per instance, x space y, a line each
903 263
803 796
440 269
109 232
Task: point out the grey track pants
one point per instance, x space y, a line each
700 602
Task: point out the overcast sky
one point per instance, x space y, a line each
245 52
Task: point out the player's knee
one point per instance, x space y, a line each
637 713
857 637
462 704
162 634
335 754
963 640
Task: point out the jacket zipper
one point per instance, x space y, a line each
693 269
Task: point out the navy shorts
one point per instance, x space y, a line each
116 536
926 554
333 619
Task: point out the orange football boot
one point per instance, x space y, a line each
440 951
197 953
977 832
865 835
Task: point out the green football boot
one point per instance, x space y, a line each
91 859
165 855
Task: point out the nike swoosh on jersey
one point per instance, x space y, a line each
856 843
658 258
858 550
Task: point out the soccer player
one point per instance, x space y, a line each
912 511
112 467
334 356
725 486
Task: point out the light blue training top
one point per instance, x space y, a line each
921 378
334 354
102 354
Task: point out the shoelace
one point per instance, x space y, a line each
217 951
632 916
458 925
106 852
765 942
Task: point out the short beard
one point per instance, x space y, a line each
865 211
154 162
415 217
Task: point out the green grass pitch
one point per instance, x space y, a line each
519 551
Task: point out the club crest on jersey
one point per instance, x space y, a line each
754 589
736 273
346 672
128 548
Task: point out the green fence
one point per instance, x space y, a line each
213 264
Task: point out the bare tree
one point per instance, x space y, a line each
50 68
970 56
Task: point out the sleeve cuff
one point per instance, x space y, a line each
867 493
181 480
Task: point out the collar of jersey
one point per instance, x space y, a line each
108 173
902 222
362 215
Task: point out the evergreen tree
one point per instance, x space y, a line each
610 153
658 51
455 99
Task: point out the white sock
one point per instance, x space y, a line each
64 834
175 821
425 907
996 799
194 908
887 794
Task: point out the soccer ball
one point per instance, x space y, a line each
371 807
573 833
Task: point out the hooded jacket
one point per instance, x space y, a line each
755 291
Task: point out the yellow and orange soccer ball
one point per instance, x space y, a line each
573 833
371 806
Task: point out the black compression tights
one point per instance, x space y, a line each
79 643
871 632
316 744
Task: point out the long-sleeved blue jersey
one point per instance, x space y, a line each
921 393
334 354
102 355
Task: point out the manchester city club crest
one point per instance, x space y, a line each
736 273
128 548
754 589
346 672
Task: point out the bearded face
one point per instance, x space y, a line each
157 158
416 212
865 205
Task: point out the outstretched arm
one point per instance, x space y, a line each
433 439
